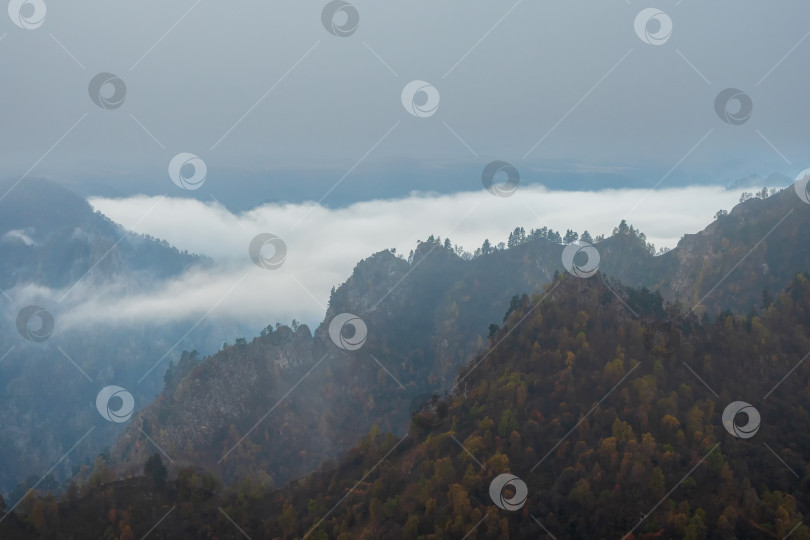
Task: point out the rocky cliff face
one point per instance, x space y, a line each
217 394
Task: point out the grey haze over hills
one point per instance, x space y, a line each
313 137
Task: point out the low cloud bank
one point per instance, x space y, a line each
323 244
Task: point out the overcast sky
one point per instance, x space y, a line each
262 86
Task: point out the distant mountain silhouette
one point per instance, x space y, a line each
52 237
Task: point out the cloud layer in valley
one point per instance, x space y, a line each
325 244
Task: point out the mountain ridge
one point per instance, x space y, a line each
425 319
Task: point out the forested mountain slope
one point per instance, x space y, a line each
612 421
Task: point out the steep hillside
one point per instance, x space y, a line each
610 424
613 422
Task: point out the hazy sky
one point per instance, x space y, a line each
572 76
